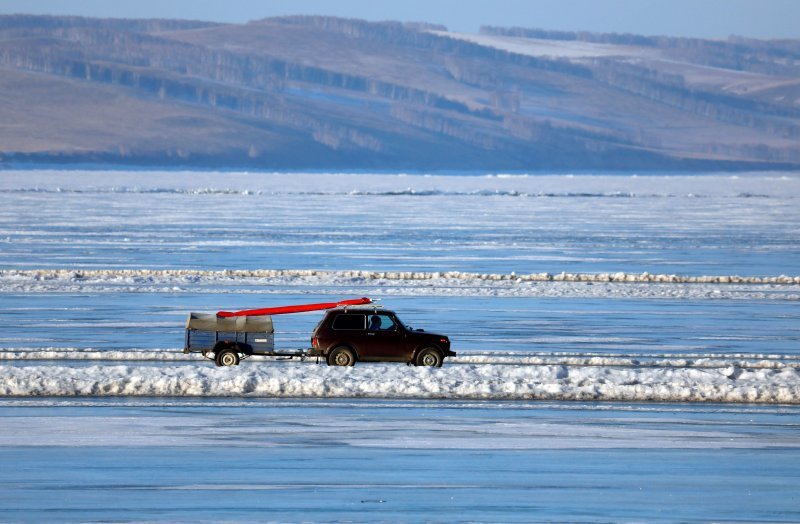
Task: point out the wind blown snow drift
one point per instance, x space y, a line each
491 382
193 274
622 285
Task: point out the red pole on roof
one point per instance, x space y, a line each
299 308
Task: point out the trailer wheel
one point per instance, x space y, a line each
429 357
341 356
227 357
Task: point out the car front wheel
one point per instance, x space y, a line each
429 357
341 356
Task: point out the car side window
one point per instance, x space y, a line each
381 323
350 322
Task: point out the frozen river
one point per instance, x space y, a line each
671 299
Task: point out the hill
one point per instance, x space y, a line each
329 93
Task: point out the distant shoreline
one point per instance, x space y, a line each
735 168
328 94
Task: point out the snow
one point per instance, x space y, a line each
572 49
359 282
139 275
471 381
682 360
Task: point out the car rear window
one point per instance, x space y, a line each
350 322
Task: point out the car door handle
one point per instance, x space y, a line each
370 334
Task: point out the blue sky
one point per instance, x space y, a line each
701 18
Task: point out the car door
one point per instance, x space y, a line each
386 339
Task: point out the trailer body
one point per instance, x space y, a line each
206 331
246 335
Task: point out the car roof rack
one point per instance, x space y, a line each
373 306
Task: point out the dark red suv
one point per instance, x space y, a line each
347 336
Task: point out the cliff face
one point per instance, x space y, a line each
328 93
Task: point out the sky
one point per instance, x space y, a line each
694 18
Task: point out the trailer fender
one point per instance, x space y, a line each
239 347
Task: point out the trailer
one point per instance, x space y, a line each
227 337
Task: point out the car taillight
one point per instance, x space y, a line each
314 342
443 340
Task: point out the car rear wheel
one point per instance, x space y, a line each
227 357
429 357
341 356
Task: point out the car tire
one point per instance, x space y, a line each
341 356
429 357
226 358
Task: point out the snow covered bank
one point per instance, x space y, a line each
553 382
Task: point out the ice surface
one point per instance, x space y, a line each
632 287
184 460
685 225
584 288
529 426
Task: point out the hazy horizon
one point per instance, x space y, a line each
689 18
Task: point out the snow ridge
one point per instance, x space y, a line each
169 274
577 359
473 381
408 191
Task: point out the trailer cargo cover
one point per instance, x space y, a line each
211 322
